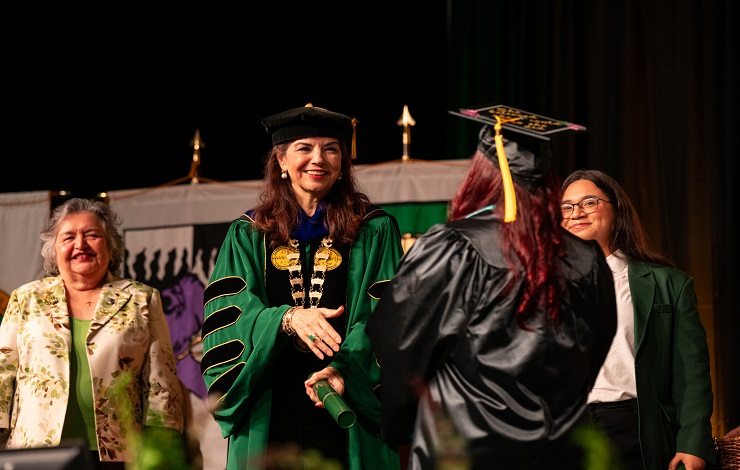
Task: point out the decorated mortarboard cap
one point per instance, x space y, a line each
523 155
520 122
311 121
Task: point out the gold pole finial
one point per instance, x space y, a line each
197 144
406 121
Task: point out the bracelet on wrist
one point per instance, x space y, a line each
287 321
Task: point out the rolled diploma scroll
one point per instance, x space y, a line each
334 404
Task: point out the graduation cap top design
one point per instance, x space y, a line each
528 166
521 122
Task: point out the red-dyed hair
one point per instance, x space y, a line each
534 238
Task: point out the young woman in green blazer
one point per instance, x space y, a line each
653 395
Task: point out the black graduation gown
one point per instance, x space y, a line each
446 328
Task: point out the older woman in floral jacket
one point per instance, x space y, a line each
85 354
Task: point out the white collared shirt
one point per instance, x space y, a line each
616 379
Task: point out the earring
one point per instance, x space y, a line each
284 174
340 176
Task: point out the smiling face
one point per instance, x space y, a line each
594 226
82 249
313 165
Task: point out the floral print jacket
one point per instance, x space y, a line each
132 366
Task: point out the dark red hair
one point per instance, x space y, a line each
534 238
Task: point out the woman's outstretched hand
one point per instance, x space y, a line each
311 326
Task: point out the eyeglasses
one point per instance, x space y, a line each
587 205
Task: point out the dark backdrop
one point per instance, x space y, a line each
106 99
101 100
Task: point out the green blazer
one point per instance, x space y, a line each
674 387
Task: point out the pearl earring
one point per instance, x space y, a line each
284 174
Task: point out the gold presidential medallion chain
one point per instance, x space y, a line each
325 259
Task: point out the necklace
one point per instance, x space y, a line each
325 259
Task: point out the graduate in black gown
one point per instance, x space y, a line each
493 330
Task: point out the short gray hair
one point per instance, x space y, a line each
111 221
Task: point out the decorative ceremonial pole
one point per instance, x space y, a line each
406 121
197 145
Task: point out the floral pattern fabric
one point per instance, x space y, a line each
132 366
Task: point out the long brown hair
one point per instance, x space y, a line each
278 209
627 233
534 238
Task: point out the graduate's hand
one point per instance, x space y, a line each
311 326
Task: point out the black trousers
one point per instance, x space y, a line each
618 420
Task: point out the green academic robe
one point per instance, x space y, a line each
242 341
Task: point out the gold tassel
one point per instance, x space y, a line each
503 163
353 155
